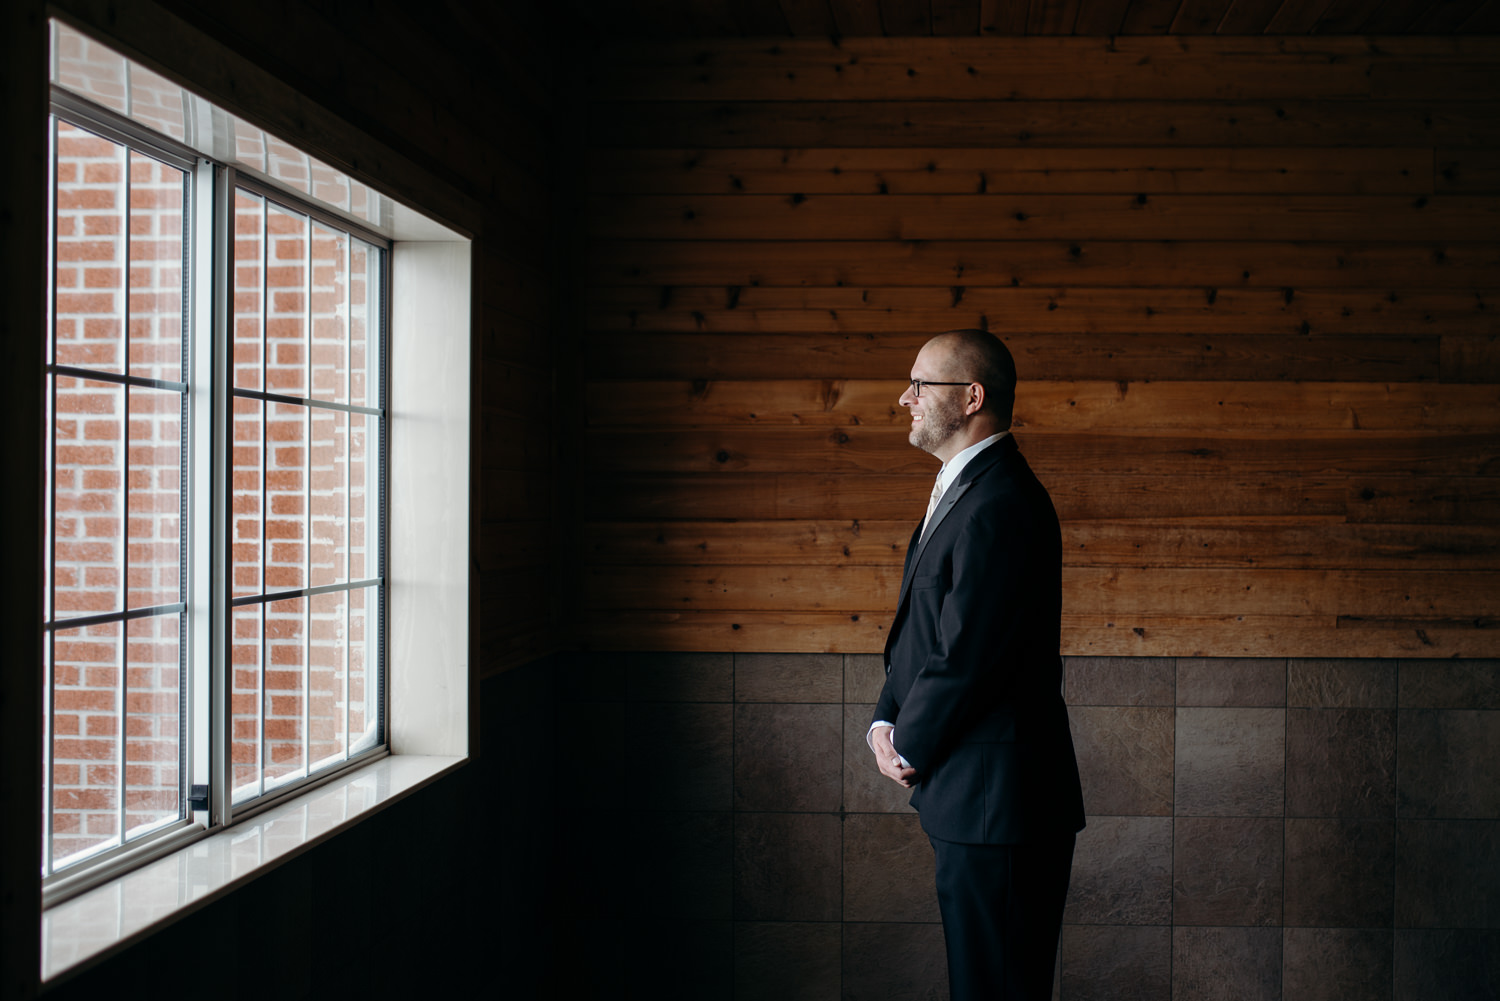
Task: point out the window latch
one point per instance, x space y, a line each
198 798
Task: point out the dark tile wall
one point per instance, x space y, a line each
1258 829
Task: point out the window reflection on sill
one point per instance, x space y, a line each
95 923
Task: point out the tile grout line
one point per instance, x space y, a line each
1172 886
734 827
1395 815
1286 735
843 806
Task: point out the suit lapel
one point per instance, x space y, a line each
945 504
981 464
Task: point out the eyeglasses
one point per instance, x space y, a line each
917 384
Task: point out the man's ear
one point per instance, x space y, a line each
975 399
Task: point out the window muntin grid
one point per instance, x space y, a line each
337 712
116 525
307 536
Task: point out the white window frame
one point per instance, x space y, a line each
427 678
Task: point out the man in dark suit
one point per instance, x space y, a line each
971 717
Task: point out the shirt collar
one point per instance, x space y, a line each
949 473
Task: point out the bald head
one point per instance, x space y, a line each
979 356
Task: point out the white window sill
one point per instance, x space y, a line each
101 921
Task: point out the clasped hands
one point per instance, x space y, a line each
887 758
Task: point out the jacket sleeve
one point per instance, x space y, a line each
981 618
886 707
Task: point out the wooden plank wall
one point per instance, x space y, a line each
1250 284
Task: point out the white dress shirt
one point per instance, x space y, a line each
946 477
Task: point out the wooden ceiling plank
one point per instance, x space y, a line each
1003 17
856 18
1200 17
1150 17
955 18
1052 17
655 19
809 18
1297 17
903 18
1445 18
760 18
1250 17
1100 17
704 18
1344 17
1394 17
1484 21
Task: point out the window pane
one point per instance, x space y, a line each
88 513
330 333
86 693
305 495
250 146
286 287
364 324
364 611
329 468
156 102
364 452
155 498
153 700
249 316
285 688
247 530
286 496
328 185
327 673
89 280
245 700
288 164
88 68
156 247
305 320
49 514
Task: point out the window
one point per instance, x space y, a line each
116 599
216 591
305 512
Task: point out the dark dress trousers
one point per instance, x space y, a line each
973 686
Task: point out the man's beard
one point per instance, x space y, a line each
937 425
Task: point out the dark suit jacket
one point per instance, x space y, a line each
973 677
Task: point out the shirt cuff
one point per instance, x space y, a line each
880 722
